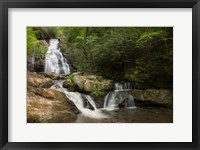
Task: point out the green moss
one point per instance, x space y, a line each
71 77
96 92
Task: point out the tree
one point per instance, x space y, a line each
34 46
113 52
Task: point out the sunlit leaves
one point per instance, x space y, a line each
34 46
150 36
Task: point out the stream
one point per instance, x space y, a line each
110 112
119 104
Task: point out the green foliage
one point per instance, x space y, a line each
96 92
34 46
150 36
71 77
142 54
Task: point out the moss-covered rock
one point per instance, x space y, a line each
157 96
148 80
88 83
68 83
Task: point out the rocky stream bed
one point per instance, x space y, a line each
50 105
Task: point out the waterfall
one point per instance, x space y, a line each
124 86
120 97
78 100
90 100
81 101
54 60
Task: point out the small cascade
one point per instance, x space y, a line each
78 100
90 100
124 86
83 102
120 97
58 85
54 60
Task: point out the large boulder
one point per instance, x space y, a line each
88 83
49 105
36 80
155 96
91 85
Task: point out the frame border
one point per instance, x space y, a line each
6 4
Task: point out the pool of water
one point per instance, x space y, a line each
134 115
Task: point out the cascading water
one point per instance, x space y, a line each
54 60
81 101
124 86
120 97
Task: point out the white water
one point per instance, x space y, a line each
90 100
120 95
124 86
80 100
112 100
54 60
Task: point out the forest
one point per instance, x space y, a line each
143 54
101 61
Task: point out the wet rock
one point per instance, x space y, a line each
53 75
122 104
36 80
87 83
49 105
154 96
68 83
99 100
